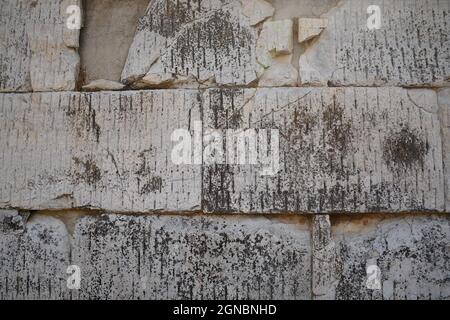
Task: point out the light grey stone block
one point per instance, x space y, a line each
33 263
96 150
340 150
444 113
411 253
193 257
410 49
37 50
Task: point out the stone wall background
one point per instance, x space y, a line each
86 178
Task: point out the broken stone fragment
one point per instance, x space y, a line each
257 10
309 28
103 85
212 39
275 39
156 76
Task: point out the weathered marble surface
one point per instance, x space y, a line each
104 150
410 49
37 51
412 253
341 150
203 40
192 257
225 257
34 259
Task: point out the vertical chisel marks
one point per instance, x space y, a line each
33 260
204 41
174 257
37 50
341 150
411 48
100 150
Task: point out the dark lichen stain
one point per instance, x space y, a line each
12 224
166 17
87 171
404 148
46 236
153 184
302 124
103 226
339 129
83 118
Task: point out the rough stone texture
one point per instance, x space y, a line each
341 150
309 28
96 150
279 74
411 48
412 253
257 10
37 51
274 52
323 259
33 261
12 221
444 104
99 85
193 257
292 9
108 31
206 40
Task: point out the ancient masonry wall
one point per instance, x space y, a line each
87 176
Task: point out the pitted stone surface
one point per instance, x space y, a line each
411 47
341 150
412 254
33 263
192 257
206 40
37 50
96 150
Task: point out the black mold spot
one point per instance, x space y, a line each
404 148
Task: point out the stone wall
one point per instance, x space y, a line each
348 194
